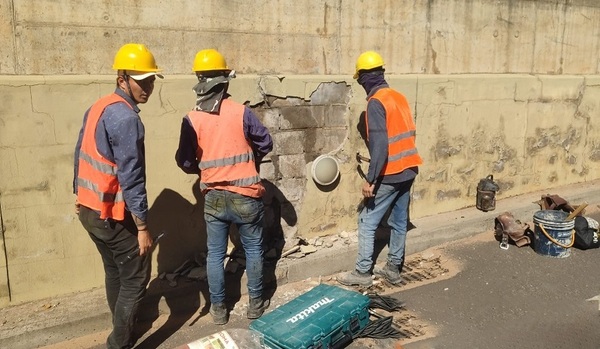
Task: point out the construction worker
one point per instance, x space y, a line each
393 166
222 141
110 184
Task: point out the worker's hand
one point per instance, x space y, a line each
145 241
77 207
368 189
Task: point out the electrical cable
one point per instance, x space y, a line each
382 327
379 329
386 303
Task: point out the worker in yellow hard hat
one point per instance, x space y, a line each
223 142
393 166
135 66
110 184
368 60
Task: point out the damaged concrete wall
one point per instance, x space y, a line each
532 131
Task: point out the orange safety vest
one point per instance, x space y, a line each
401 130
97 185
226 160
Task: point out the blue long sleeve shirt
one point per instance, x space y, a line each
120 139
254 131
378 143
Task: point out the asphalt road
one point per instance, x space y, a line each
511 298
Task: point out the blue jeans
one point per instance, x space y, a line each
387 196
125 283
221 209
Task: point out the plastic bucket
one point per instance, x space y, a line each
553 236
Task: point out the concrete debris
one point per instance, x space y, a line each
300 247
296 255
50 305
308 249
428 255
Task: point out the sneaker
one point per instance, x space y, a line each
256 307
219 313
389 272
355 278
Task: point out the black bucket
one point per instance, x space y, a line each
553 235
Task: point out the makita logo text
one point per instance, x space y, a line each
310 310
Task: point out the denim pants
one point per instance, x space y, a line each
221 209
394 197
125 284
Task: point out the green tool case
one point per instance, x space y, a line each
326 317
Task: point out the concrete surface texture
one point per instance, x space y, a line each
305 37
178 314
532 131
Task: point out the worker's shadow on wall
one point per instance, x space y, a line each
277 207
182 245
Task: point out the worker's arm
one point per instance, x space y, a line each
257 134
378 139
125 134
186 156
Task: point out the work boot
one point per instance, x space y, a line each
219 313
256 307
389 272
355 278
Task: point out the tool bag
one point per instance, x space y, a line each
507 227
586 233
555 202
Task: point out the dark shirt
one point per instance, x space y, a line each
120 139
378 143
254 131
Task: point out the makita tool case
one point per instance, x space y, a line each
326 317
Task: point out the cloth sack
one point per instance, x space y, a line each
586 233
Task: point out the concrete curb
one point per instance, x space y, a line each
86 312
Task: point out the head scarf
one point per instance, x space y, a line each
371 78
210 91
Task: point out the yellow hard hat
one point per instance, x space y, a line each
208 60
368 60
135 57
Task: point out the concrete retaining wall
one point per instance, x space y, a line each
532 131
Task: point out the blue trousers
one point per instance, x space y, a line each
125 283
221 209
394 197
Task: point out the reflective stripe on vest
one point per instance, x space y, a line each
104 197
97 185
226 160
203 165
401 130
